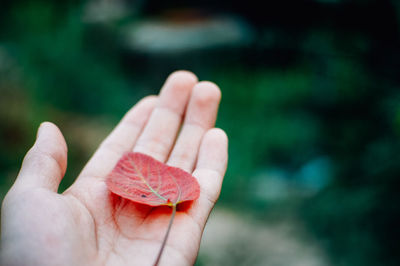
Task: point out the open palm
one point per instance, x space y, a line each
87 225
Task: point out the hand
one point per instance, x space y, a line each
87 225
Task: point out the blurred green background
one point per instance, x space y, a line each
311 105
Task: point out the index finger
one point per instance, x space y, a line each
120 140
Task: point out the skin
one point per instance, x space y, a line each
87 225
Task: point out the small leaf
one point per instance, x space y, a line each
143 179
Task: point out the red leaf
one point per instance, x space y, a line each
145 180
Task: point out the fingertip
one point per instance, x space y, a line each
203 105
45 163
207 92
177 89
216 136
48 130
213 153
183 76
209 84
149 100
51 141
218 139
176 92
44 126
211 167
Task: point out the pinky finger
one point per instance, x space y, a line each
210 170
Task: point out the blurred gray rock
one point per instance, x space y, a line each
174 36
230 239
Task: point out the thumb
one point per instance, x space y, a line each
45 163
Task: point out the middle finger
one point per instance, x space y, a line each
160 132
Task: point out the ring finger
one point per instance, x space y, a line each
160 132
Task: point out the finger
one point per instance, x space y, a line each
120 140
161 130
209 172
200 116
45 163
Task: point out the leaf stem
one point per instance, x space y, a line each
166 235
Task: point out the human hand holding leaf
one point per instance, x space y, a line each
142 179
88 225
